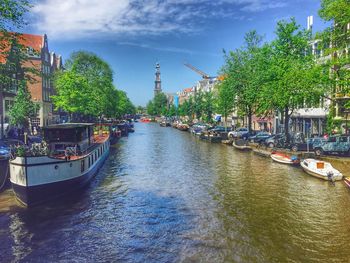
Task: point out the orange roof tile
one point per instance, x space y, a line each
28 40
34 41
188 90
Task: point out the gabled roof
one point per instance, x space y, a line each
28 40
34 41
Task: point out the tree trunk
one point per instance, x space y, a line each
249 120
286 124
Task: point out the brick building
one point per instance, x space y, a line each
39 82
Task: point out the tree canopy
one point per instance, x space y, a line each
86 86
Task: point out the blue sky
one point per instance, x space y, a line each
132 35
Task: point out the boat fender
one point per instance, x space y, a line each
330 176
294 158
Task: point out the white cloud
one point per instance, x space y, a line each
86 18
168 49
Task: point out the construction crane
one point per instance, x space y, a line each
204 75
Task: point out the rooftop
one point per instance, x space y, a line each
68 126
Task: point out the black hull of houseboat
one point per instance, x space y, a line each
4 174
34 195
113 140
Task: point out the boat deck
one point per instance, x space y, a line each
98 139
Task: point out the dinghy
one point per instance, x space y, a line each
241 144
285 159
321 169
347 181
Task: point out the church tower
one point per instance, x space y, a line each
157 83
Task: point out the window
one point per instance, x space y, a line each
82 166
343 139
30 51
8 105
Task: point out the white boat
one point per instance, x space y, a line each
76 154
285 159
321 169
241 144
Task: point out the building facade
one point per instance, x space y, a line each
38 69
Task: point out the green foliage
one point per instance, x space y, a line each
335 40
225 99
124 105
23 107
87 87
198 101
11 14
293 72
208 106
245 69
158 106
172 111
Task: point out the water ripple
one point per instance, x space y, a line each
165 196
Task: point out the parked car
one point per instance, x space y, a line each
275 140
198 128
334 145
259 137
5 151
239 133
219 129
311 144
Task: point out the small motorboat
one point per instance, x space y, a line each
241 144
321 169
285 159
347 181
183 127
145 120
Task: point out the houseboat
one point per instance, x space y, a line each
75 152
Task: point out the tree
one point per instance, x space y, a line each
86 86
150 108
73 92
12 13
124 105
172 111
23 107
198 104
293 73
160 102
225 99
244 71
208 106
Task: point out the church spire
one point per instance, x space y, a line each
157 83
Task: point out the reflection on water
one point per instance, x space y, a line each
165 196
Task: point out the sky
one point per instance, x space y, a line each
133 35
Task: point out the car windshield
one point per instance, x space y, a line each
332 139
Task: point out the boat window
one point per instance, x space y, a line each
82 166
332 139
343 139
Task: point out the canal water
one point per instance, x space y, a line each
165 196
